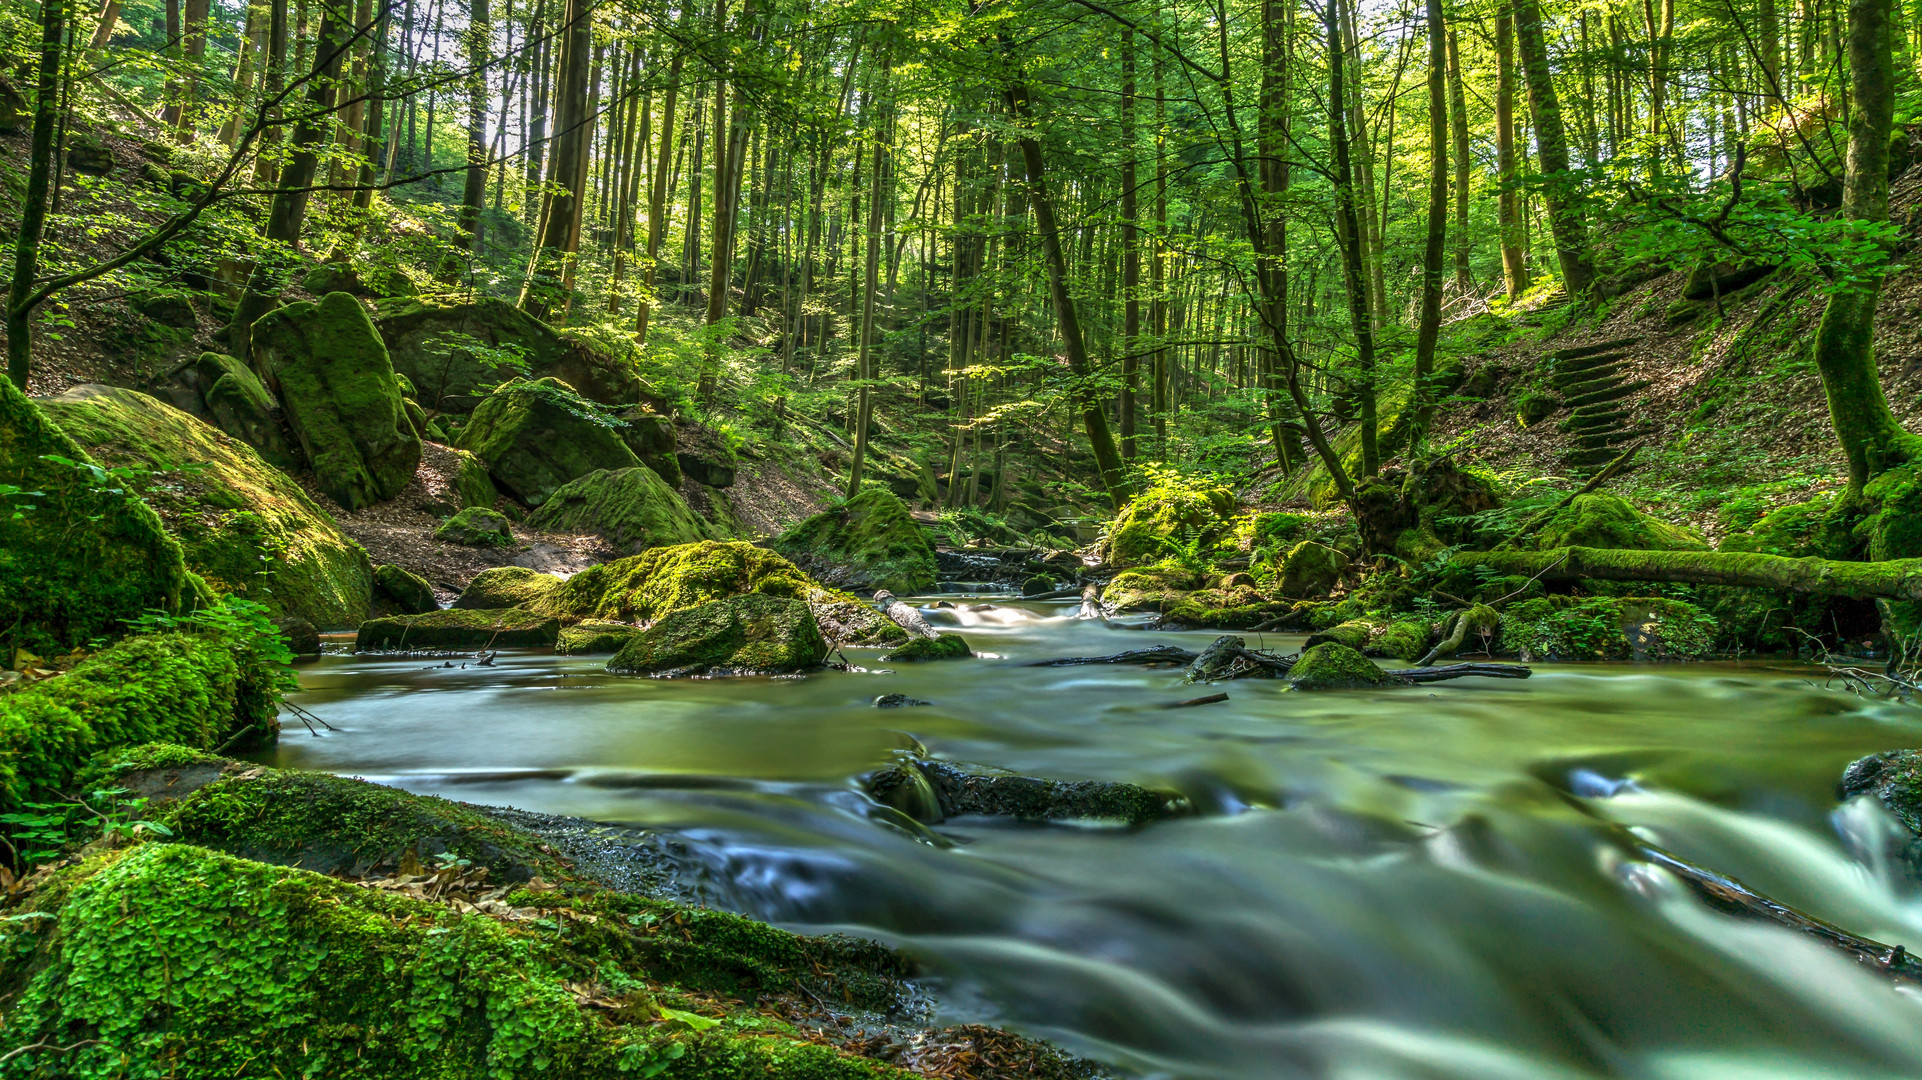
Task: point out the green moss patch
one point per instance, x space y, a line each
1165 516
407 589
868 542
749 633
476 526
1602 520
459 630
505 587
632 509
660 581
1608 628
1310 570
453 353
939 647
594 636
1334 666
1155 587
534 437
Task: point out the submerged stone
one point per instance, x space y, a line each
453 630
868 542
938 647
632 509
898 701
929 791
1334 666
754 633
505 587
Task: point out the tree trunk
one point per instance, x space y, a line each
33 213
1433 254
474 192
545 292
1896 579
657 197
1458 121
1560 188
1349 227
864 362
1508 206
730 153
1278 363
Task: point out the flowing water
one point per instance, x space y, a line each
1409 883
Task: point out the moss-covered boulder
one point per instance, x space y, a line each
1155 587
1894 779
704 456
1406 639
1608 628
1166 517
660 581
1794 531
1310 571
408 590
238 404
632 509
243 525
594 636
931 790
938 647
1602 520
337 387
459 630
197 689
78 556
752 633
868 542
1359 634
505 587
1334 666
653 439
476 526
534 437
453 353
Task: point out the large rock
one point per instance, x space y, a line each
938 647
931 791
1310 571
240 405
453 353
1154 521
868 542
244 525
663 580
452 630
704 455
632 509
1602 520
1333 666
77 558
1156 587
652 438
1894 778
754 633
534 437
476 526
337 387
505 587
408 590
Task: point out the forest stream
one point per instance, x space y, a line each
1414 882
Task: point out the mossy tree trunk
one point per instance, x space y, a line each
1508 208
879 194
33 215
1348 223
1895 579
1560 190
1429 328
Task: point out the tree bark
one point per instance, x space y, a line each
1508 209
657 197
877 198
1349 225
33 214
1895 579
1130 251
571 130
474 191
1560 188
1458 123
1428 330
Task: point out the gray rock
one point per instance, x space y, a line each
930 791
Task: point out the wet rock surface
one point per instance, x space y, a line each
920 787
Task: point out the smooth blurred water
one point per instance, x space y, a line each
1399 883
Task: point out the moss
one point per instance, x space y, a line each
1602 520
1358 634
180 961
471 483
1533 406
337 387
1608 628
407 589
77 558
1894 777
476 526
240 405
1793 531
750 633
632 509
939 647
1310 570
594 636
660 581
505 587
846 621
1893 527
434 347
1334 666
1166 515
533 442
868 542
705 455
459 630
189 688
1407 639
1155 587
651 437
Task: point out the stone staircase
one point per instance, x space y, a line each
1601 412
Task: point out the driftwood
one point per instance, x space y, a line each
1462 671
1229 657
1160 654
905 617
1211 699
1055 594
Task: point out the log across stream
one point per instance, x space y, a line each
1479 878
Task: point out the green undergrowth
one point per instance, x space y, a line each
1608 628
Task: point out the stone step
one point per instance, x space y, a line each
1606 394
1579 352
1564 380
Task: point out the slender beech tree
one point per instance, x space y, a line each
1349 230
1507 171
1428 328
1561 191
878 197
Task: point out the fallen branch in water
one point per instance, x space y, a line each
1160 654
1462 671
903 616
1211 699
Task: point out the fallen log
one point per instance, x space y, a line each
1462 671
903 616
1056 594
1896 579
1159 654
1229 657
1211 699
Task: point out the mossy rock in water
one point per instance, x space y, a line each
407 589
594 636
632 509
929 791
1608 628
476 526
1036 585
1156 587
505 587
1357 634
868 542
1334 666
1239 608
663 580
1406 639
77 558
240 405
243 525
1144 529
337 388
459 630
845 620
1310 571
1602 520
1894 778
452 352
938 647
534 437
198 689
754 633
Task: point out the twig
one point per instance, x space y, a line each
17 1051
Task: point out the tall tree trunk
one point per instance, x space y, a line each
1458 123
33 213
1871 437
1659 19
1130 251
1560 188
1094 418
480 48
572 130
731 128
1433 254
657 197
1508 206
1350 229
1277 117
878 195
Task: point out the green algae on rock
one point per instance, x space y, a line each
632 509
938 647
407 589
534 437
505 587
1334 666
459 630
78 558
476 526
1155 587
243 525
868 542
751 633
337 387
1602 520
663 580
594 636
192 688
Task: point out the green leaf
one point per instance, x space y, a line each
693 1020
